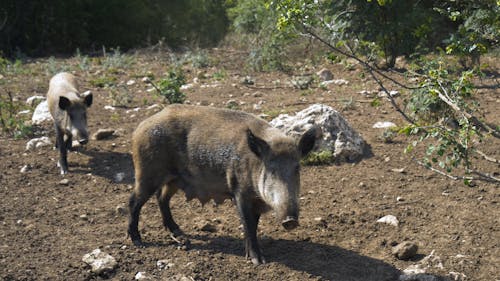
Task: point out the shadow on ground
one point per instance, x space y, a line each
117 167
323 261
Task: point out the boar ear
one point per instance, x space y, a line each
256 144
308 139
87 98
64 103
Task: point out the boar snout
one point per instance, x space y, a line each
290 222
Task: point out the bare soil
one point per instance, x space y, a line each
46 227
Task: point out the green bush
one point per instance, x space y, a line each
169 87
11 123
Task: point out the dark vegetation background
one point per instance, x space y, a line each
410 27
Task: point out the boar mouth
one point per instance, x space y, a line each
290 223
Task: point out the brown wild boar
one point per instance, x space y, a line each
217 154
69 110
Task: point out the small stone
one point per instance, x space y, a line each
325 74
119 177
257 95
231 102
405 250
37 143
84 217
400 199
109 107
389 219
130 82
399 170
247 80
146 79
64 182
121 210
257 107
457 276
383 125
361 184
164 264
25 168
103 134
100 262
141 275
387 159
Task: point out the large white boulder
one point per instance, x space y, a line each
41 114
338 136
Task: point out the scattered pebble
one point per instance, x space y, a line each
121 210
100 262
208 228
383 125
64 182
164 264
130 82
325 74
405 250
102 134
141 275
25 168
399 170
119 177
400 199
389 219
109 107
38 142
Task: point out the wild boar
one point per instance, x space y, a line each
217 154
69 110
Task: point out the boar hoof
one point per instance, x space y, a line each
258 261
182 242
290 223
138 243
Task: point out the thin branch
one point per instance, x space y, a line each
467 115
365 64
481 176
487 158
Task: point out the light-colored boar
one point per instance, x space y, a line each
69 110
217 154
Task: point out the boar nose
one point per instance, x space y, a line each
290 223
83 141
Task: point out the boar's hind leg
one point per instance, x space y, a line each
250 219
163 197
144 189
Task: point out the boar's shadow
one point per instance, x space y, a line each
112 165
320 260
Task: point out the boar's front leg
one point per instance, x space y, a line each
63 152
250 219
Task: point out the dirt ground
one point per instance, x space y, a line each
46 227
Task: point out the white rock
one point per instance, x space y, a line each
257 106
383 94
187 86
141 275
337 135
389 219
41 114
150 90
25 168
457 276
119 177
100 261
383 125
32 100
133 110
38 142
145 79
109 107
418 277
130 82
164 264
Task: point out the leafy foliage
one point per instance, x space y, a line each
169 87
11 122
